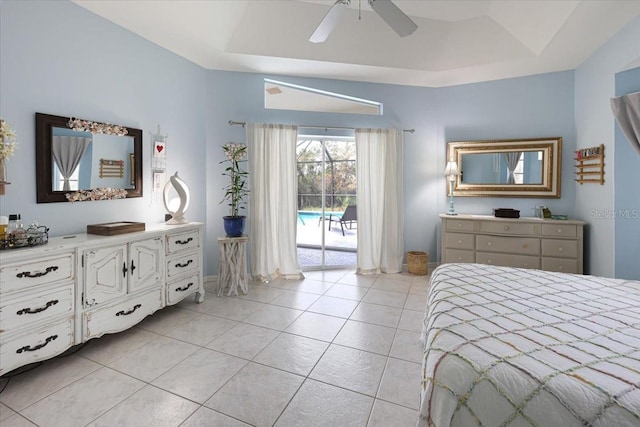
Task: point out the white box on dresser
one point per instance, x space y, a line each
79 287
552 245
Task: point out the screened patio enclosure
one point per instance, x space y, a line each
326 187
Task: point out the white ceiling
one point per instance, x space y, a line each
458 41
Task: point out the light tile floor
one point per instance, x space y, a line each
335 349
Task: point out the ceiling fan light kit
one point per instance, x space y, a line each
386 9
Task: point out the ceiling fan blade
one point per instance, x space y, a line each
329 22
394 17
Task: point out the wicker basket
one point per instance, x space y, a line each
418 263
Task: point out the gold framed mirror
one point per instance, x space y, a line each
507 168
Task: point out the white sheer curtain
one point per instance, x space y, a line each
626 110
380 200
67 152
273 187
512 159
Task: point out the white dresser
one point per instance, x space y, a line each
79 287
546 244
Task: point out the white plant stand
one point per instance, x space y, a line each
232 266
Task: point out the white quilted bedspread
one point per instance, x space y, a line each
516 347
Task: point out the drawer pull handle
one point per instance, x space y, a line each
185 264
506 228
184 288
38 347
133 267
459 242
38 274
36 310
184 242
126 313
526 245
559 230
124 269
560 249
489 243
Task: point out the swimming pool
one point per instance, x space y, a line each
310 216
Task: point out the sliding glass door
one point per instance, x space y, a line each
327 219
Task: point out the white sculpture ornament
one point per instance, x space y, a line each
177 213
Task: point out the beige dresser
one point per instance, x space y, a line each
546 244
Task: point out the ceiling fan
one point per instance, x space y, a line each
389 12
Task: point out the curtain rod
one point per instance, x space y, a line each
234 122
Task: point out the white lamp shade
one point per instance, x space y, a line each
451 169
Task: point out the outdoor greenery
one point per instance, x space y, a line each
236 191
340 176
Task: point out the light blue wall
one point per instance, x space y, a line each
58 58
627 193
526 107
595 125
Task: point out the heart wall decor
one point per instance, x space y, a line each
159 152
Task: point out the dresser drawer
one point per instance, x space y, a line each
560 230
180 242
21 275
39 344
120 316
508 245
183 264
24 310
178 290
560 248
510 228
454 255
459 225
460 241
563 265
507 260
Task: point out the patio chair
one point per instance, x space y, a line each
348 218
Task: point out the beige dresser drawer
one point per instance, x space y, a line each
508 260
454 255
560 248
24 310
459 225
560 230
563 265
508 245
39 344
180 242
120 316
460 241
184 264
21 275
520 229
178 290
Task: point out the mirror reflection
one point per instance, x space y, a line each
82 160
95 162
509 167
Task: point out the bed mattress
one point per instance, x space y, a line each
518 347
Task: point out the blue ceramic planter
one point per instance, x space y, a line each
234 225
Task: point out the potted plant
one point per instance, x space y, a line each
236 191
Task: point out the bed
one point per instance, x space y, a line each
516 347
